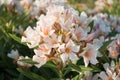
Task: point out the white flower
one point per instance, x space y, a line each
31 37
83 17
110 66
112 48
42 50
66 19
55 10
44 25
26 3
118 29
20 63
14 54
79 34
41 60
19 30
110 2
89 54
89 76
69 51
101 20
113 52
53 41
98 42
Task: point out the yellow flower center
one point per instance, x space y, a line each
54 42
67 50
113 54
87 54
78 35
46 31
110 78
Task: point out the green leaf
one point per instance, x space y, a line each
52 67
78 77
105 44
2 76
13 36
86 68
91 26
30 74
67 70
93 69
75 67
29 61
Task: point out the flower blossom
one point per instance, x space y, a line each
69 51
89 54
14 54
32 37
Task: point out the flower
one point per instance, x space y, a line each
44 25
53 41
23 64
43 49
55 10
19 30
14 54
31 37
41 55
69 51
89 76
79 34
66 20
41 60
89 54
98 42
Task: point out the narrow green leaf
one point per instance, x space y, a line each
52 67
92 69
13 36
91 26
30 74
78 77
75 67
86 68
105 44
29 61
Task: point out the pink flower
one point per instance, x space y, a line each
79 34
41 60
44 25
69 51
31 37
53 41
89 54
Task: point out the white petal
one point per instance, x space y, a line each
103 76
75 48
64 57
70 43
73 57
61 48
23 39
86 61
106 65
40 60
93 61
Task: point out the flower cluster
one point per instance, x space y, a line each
32 7
64 36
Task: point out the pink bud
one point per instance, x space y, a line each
67 39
